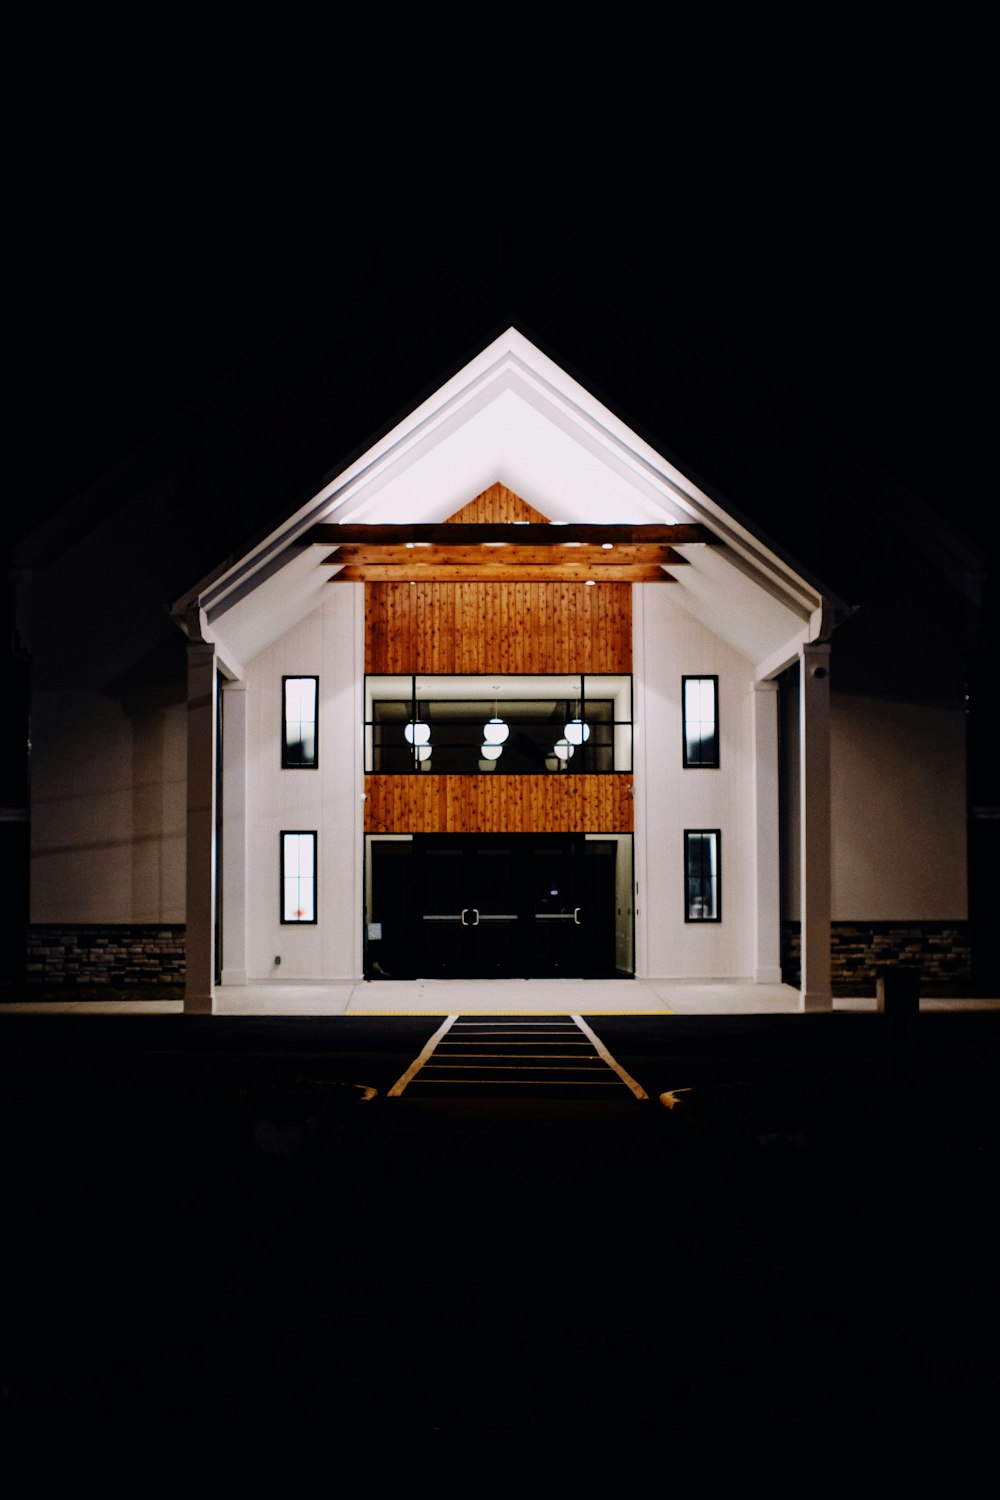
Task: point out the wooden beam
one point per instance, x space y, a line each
464 534
501 573
562 555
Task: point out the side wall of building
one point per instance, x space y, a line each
669 644
326 800
899 877
108 810
899 815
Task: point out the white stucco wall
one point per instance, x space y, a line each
668 645
327 644
108 810
899 845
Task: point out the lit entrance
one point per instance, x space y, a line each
518 906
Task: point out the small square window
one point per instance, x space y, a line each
298 877
702 875
299 725
701 721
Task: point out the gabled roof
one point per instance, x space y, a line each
512 416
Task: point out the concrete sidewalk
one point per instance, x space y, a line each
425 997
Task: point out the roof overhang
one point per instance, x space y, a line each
512 416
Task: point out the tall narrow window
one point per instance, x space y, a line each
702 875
298 877
299 728
701 721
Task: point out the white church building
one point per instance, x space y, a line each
508 693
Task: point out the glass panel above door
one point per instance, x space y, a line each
471 726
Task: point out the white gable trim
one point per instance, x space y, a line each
512 416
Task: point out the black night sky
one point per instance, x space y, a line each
173 231
870 311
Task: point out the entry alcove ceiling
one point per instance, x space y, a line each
513 417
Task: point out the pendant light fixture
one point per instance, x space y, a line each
577 730
417 732
495 731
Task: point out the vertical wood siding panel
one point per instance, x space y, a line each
501 644
420 620
506 647
402 634
397 628
472 635
487 628
507 628
459 635
388 618
427 650
497 804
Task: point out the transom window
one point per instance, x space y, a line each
522 725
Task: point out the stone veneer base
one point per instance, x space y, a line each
126 956
941 951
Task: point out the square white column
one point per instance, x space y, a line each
201 769
234 833
814 812
767 882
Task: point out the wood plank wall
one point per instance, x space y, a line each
498 804
504 628
497 503
498 627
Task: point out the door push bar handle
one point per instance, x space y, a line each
465 913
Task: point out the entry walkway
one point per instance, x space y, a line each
498 997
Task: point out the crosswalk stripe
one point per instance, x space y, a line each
456 1056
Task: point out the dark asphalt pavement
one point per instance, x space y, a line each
208 1224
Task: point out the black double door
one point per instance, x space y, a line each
469 906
